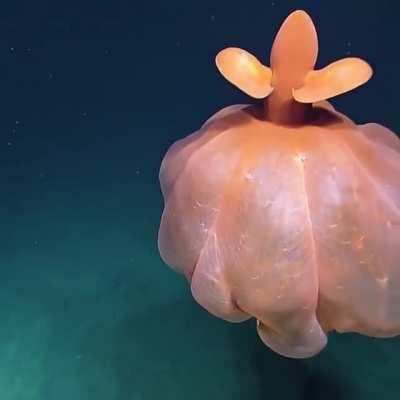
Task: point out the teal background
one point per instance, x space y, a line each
92 94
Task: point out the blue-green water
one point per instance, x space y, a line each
92 95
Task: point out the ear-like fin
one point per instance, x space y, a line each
339 77
245 71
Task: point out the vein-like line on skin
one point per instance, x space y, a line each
260 325
310 224
213 231
222 281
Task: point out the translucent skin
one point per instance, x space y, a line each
297 226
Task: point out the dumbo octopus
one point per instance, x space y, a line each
287 211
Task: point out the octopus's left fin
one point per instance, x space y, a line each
245 71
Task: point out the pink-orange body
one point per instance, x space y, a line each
288 211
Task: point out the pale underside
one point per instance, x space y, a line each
299 227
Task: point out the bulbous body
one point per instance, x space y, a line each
297 226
